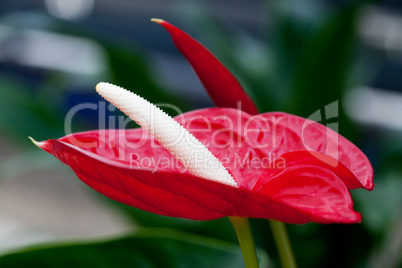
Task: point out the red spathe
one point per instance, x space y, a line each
286 170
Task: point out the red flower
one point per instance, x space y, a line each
287 168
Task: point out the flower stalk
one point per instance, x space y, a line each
246 241
283 244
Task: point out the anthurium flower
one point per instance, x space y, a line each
217 162
263 169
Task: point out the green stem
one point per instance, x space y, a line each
246 241
283 244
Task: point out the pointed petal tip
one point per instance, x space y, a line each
37 143
159 21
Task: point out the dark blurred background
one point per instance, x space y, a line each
296 56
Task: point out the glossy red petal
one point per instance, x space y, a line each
131 167
283 133
221 85
178 194
303 157
314 190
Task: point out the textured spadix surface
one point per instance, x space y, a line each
170 134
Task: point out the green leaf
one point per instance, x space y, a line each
146 248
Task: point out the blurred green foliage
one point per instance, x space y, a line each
305 63
146 248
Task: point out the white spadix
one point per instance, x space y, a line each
197 159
